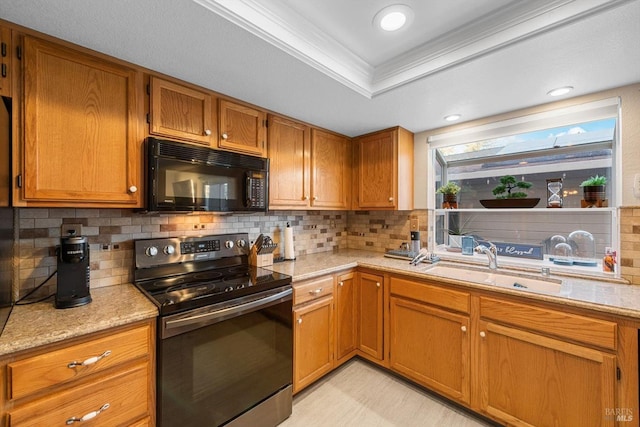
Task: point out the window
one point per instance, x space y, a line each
569 146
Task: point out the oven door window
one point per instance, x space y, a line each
199 187
210 375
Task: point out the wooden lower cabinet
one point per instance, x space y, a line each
531 380
370 316
519 362
313 342
346 318
431 346
107 378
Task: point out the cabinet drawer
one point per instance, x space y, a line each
572 326
36 373
430 294
125 392
313 289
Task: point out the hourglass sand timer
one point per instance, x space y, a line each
554 193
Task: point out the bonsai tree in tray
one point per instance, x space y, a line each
509 183
509 194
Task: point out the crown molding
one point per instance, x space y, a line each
282 27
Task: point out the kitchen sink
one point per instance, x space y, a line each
498 278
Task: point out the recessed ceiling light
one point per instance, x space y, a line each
394 17
452 117
560 91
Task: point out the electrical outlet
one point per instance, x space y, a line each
414 224
66 229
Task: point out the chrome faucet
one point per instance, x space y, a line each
492 254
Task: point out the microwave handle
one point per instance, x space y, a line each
248 181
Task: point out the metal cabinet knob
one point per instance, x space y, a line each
207 132
299 320
133 189
315 197
341 283
305 198
225 136
463 328
377 284
483 334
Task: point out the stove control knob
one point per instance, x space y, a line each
228 289
169 250
151 251
241 243
228 244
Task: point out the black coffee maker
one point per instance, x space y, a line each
73 272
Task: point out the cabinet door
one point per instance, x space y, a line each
370 305
346 320
288 164
377 173
530 380
330 170
81 141
430 346
180 112
313 342
5 62
242 129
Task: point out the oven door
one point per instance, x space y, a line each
218 362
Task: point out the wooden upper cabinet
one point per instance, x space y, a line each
6 53
309 168
384 170
330 170
182 112
242 128
289 181
81 134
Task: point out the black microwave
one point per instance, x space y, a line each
183 177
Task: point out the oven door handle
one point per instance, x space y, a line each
228 312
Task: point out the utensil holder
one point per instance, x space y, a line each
260 260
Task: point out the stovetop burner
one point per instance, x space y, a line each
184 278
190 290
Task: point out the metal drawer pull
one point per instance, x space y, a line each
316 292
89 361
90 415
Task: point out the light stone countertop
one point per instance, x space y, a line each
609 297
31 326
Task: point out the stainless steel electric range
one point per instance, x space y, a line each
225 332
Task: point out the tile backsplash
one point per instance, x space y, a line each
111 233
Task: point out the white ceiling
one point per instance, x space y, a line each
323 61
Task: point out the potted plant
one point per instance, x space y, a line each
509 194
456 230
594 188
449 192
